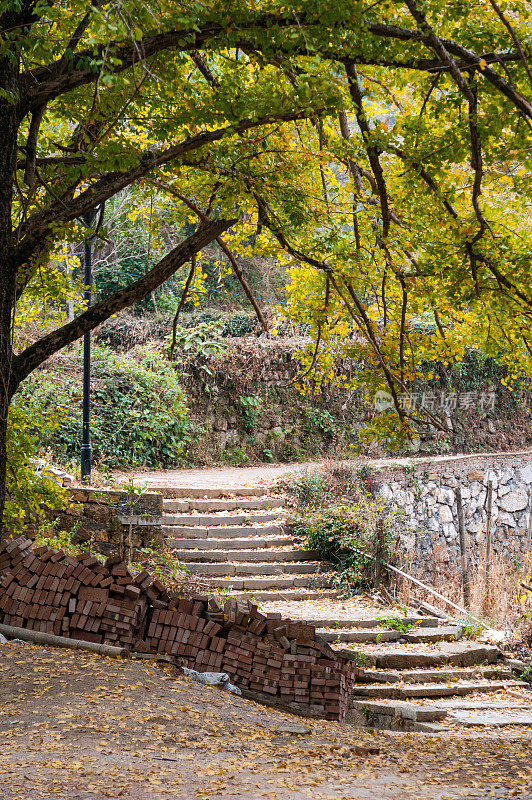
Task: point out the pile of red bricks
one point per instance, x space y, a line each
78 597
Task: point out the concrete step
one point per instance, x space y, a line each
272 595
378 635
360 635
442 675
491 717
412 691
221 532
205 492
375 622
371 711
259 555
249 543
458 654
441 633
257 568
441 715
252 582
221 504
211 520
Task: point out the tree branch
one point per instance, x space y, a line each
223 246
371 150
31 234
37 353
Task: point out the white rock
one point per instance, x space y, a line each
445 514
506 475
475 488
503 489
444 495
506 519
514 501
524 474
492 476
474 526
386 492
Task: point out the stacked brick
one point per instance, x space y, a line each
77 597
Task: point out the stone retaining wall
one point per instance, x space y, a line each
425 491
104 517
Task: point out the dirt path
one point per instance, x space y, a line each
75 726
267 474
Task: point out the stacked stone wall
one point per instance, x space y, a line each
425 491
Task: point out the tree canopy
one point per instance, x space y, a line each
381 149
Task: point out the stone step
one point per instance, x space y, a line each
371 710
272 595
439 716
443 675
221 532
412 691
259 555
360 635
221 504
375 622
264 582
439 634
249 543
492 718
444 653
204 492
257 568
378 635
208 520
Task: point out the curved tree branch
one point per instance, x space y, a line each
37 353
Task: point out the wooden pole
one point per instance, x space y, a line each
379 552
489 545
36 637
529 526
463 547
424 586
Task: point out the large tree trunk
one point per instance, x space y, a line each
9 122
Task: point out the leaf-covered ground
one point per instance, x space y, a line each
81 727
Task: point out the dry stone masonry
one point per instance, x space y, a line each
426 494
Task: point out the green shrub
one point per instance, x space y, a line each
249 408
308 488
240 325
351 534
27 490
138 410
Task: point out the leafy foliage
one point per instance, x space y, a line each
29 489
349 526
139 416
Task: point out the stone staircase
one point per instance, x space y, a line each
236 539
419 673
426 677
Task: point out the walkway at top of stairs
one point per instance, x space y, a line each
227 479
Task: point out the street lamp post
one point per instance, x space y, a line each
95 216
